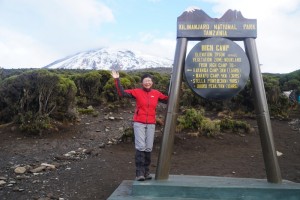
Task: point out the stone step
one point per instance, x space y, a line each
207 187
124 192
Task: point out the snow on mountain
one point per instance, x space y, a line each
109 58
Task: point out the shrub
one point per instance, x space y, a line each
210 128
33 124
109 90
234 125
194 120
191 120
33 97
89 110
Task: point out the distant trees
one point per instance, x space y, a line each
278 103
290 81
1 74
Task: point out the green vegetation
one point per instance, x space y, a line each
234 125
194 121
35 98
88 111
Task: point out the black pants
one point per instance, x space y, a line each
142 162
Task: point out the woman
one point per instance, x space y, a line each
144 120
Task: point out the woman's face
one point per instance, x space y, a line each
147 83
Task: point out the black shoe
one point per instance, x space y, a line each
148 176
140 178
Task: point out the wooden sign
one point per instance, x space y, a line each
198 25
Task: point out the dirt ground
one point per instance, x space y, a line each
86 161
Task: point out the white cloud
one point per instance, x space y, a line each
48 28
277 41
57 28
150 44
17 49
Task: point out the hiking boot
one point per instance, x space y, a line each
148 176
140 178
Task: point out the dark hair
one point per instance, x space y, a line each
146 76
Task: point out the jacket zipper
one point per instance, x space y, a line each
148 101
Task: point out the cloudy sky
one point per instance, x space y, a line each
34 33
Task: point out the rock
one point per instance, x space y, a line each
38 169
2 182
252 130
20 170
20 177
193 134
160 121
279 153
48 165
71 153
87 151
109 142
102 145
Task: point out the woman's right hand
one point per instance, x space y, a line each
115 74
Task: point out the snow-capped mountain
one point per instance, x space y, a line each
109 58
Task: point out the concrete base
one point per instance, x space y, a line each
207 187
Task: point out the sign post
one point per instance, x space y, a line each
217 68
162 171
263 116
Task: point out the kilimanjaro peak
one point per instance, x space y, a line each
109 58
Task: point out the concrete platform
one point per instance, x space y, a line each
207 187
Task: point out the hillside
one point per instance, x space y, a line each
87 162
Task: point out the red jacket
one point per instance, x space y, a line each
146 102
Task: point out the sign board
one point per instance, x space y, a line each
197 25
216 68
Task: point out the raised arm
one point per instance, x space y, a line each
115 74
119 87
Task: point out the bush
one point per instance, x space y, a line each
89 111
32 124
194 120
234 125
210 128
33 97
